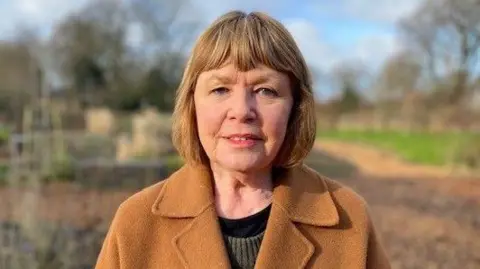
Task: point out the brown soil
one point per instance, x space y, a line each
62 203
373 161
428 217
384 165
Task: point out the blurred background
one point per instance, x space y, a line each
87 89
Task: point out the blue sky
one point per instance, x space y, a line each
328 31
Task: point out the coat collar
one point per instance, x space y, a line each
186 193
299 195
300 192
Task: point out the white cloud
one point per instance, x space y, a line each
375 49
47 11
388 11
41 14
317 52
214 8
371 50
29 7
135 35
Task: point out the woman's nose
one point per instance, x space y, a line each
243 106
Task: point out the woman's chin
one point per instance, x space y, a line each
242 164
242 167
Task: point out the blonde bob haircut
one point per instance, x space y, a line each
247 40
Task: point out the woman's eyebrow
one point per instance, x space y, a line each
219 78
264 77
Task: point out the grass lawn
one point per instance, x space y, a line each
424 148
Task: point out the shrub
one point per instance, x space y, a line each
467 152
93 146
62 168
4 168
4 135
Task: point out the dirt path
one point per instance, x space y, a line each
384 165
375 162
421 226
428 217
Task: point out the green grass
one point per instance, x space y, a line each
416 147
4 135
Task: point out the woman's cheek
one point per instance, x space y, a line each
277 122
209 119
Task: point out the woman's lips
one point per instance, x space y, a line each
244 140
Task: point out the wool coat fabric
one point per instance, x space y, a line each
315 222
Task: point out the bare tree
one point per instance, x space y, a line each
400 74
166 33
447 34
90 46
103 67
349 80
164 25
397 89
21 73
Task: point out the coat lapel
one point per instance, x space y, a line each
200 244
300 197
283 245
188 198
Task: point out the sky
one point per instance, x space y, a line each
328 32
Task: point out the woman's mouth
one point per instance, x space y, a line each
243 140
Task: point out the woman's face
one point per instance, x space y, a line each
242 116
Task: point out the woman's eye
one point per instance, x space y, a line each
220 91
267 92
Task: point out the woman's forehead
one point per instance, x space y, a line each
230 73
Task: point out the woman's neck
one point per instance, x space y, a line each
239 194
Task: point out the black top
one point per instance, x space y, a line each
246 227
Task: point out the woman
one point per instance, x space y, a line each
244 122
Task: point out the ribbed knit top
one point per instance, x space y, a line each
243 252
243 238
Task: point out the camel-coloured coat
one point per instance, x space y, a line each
315 222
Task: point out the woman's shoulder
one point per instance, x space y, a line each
345 198
139 204
334 186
